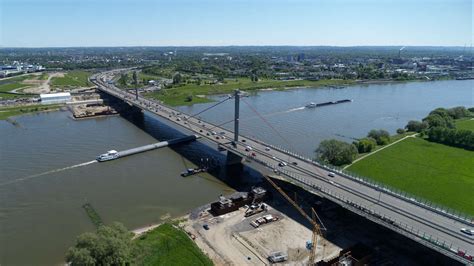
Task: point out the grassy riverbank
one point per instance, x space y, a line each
180 95
436 172
6 112
167 245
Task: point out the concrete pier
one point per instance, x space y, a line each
234 164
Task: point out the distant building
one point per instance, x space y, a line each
301 57
50 98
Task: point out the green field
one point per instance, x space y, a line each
177 95
72 79
467 124
14 83
9 87
6 112
436 172
167 245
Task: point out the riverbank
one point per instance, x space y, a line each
188 94
8 112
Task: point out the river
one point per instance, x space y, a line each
41 214
47 173
281 118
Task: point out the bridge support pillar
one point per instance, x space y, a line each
234 166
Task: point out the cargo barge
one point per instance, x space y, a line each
193 171
314 105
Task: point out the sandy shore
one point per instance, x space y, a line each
142 230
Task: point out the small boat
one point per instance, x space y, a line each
110 155
193 171
311 105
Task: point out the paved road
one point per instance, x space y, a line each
407 216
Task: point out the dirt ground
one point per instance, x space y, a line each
231 240
41 86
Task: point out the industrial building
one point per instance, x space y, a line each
61 97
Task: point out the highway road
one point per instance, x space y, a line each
394 212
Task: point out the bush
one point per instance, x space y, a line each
416 126
382 137
400 131
336 152
365 145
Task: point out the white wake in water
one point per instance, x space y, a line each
45 173
296 109
274 113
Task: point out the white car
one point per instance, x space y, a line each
467 231
248 148
331 174
267 148
281 164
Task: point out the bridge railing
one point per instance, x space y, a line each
419 201
429 240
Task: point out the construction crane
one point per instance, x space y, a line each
316 228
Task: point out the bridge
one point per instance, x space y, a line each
427 225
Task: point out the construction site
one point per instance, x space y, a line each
278 223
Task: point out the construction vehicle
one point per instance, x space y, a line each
316 227
255 208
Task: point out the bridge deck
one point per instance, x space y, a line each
433 229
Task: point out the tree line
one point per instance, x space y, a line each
439 126
339 153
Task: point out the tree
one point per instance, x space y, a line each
416 126
440 111
439 120
381 136
177 78
123 80
110 245
458 112
336 152
365 145
400 131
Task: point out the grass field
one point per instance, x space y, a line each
436 172
6 112
72 79
9 87
13 84
467 124
166 245
177 95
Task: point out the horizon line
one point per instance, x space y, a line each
231 45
